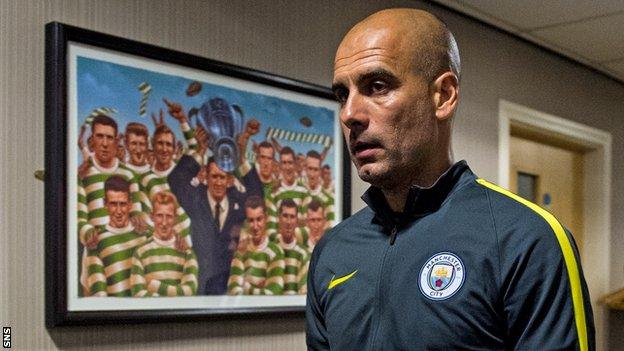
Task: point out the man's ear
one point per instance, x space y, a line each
445 95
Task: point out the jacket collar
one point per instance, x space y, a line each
420 201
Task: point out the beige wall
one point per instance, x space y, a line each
290 38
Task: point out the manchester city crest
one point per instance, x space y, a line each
441 276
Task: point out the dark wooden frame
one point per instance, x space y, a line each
56 193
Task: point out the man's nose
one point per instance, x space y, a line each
354 113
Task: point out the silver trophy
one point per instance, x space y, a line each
224 123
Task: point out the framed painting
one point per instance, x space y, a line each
178 187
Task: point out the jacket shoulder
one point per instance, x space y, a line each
520 224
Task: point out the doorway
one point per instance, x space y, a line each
594 184
549 175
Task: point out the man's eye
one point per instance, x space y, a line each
377 87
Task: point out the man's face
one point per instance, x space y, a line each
163 216
163 149
287 167
118 205
316 222
313 171
104 144
387 114
265 161
137 148
288 223
257 221
217 182
326 174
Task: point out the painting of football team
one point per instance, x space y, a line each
226 211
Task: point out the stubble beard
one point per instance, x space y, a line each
397 168
392 172
373 178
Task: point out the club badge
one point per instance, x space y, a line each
441 276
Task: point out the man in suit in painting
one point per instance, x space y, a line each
216 213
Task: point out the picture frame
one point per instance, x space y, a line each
89 74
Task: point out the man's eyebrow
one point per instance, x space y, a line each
378 73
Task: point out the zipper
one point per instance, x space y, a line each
393 234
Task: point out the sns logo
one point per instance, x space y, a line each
6 337
441 276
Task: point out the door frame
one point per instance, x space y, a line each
596 256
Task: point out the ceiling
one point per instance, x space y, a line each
587 31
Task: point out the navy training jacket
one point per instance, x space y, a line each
467 265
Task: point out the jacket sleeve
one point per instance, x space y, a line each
545 297
253 184
316 330
180 180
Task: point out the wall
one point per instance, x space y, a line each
291 38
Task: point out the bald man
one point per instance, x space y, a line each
440 259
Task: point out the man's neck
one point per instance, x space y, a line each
266 179
138 164
315 186
290 239
396 198
287 183
119 229
170 241
160 167
163 236
257 240
396 195
105 165
214 199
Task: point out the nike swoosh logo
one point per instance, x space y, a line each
340 280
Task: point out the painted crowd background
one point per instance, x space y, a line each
192 188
